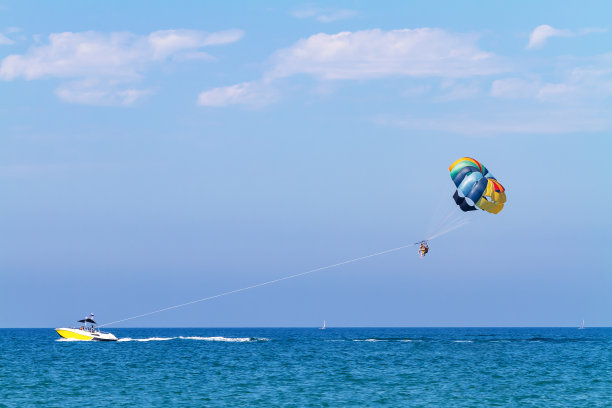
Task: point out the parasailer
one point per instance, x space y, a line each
423 249
476 186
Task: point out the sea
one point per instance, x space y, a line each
308 367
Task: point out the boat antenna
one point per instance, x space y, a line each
260 284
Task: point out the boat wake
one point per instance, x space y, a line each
397 339
147 339
229 339
215 338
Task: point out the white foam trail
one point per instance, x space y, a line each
228 339
462 341
369 340
148 339
214 338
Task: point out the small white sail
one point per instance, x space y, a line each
323 328
582 325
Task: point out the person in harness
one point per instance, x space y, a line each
424 249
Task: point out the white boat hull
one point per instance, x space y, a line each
84 335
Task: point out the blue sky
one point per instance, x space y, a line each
155 153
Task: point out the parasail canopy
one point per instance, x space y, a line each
476 186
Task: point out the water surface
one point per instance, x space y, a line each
349 367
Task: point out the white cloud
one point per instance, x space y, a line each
223 37
168 42
4 40
336 15
370 54
107 58
79 55
255 94
323 15
376 53
100 93
540 35
559 91
91 53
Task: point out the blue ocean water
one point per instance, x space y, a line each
348 367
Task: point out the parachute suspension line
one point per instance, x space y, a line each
260 284
440 225
442 208
457 221
449 229
450 220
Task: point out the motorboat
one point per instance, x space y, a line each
86 332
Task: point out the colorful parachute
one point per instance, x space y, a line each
476 186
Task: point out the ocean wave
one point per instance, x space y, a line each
463 341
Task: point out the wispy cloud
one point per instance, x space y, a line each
375 54
564 96
453 90
4 40
579 84
101 93
323 15
514 88
106 58
169 42
255 94
569 101
540 35
482 123
194 56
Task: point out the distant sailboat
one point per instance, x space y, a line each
582 325
322 328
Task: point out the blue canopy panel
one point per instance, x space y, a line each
458 179
462 203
